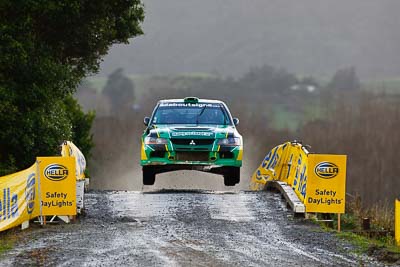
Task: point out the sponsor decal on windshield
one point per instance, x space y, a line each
198 105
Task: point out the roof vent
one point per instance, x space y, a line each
191 99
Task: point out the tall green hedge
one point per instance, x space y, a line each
46 48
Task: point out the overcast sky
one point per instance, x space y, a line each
310 37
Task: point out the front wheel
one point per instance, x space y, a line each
149 176
232 176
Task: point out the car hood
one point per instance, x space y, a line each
194 131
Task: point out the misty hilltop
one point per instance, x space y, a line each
228 37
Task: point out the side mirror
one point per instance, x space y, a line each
146 121
235 121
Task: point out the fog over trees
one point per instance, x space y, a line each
228 37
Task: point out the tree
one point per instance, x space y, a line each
47 47
81 124
268 79
345 79
120 91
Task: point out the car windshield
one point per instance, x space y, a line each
187 113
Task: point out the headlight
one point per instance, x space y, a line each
155 141
234 141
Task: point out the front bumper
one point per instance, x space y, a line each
199 156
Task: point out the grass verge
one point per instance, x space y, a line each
5 244
382 249
377 240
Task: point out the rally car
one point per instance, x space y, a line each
191 134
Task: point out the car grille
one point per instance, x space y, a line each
157 154
192 149
191 156
193 142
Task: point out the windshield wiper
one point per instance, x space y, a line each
224 114
201 113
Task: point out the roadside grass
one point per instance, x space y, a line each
360 242
383 248
378 241
4 246
364 244
6 243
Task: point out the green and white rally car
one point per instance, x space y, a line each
191 134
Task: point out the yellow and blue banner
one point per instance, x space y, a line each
397 221
287 163
68 149
298 170
318 180
271 167
46 188
18 198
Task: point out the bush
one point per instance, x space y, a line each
40 133
47 47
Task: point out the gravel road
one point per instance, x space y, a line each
182 228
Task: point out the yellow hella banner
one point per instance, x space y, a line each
57 185
68 149
18 198
270 167
397 221
326 183
287 163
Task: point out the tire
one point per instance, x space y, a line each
149 176
232 176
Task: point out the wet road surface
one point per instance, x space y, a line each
187 228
